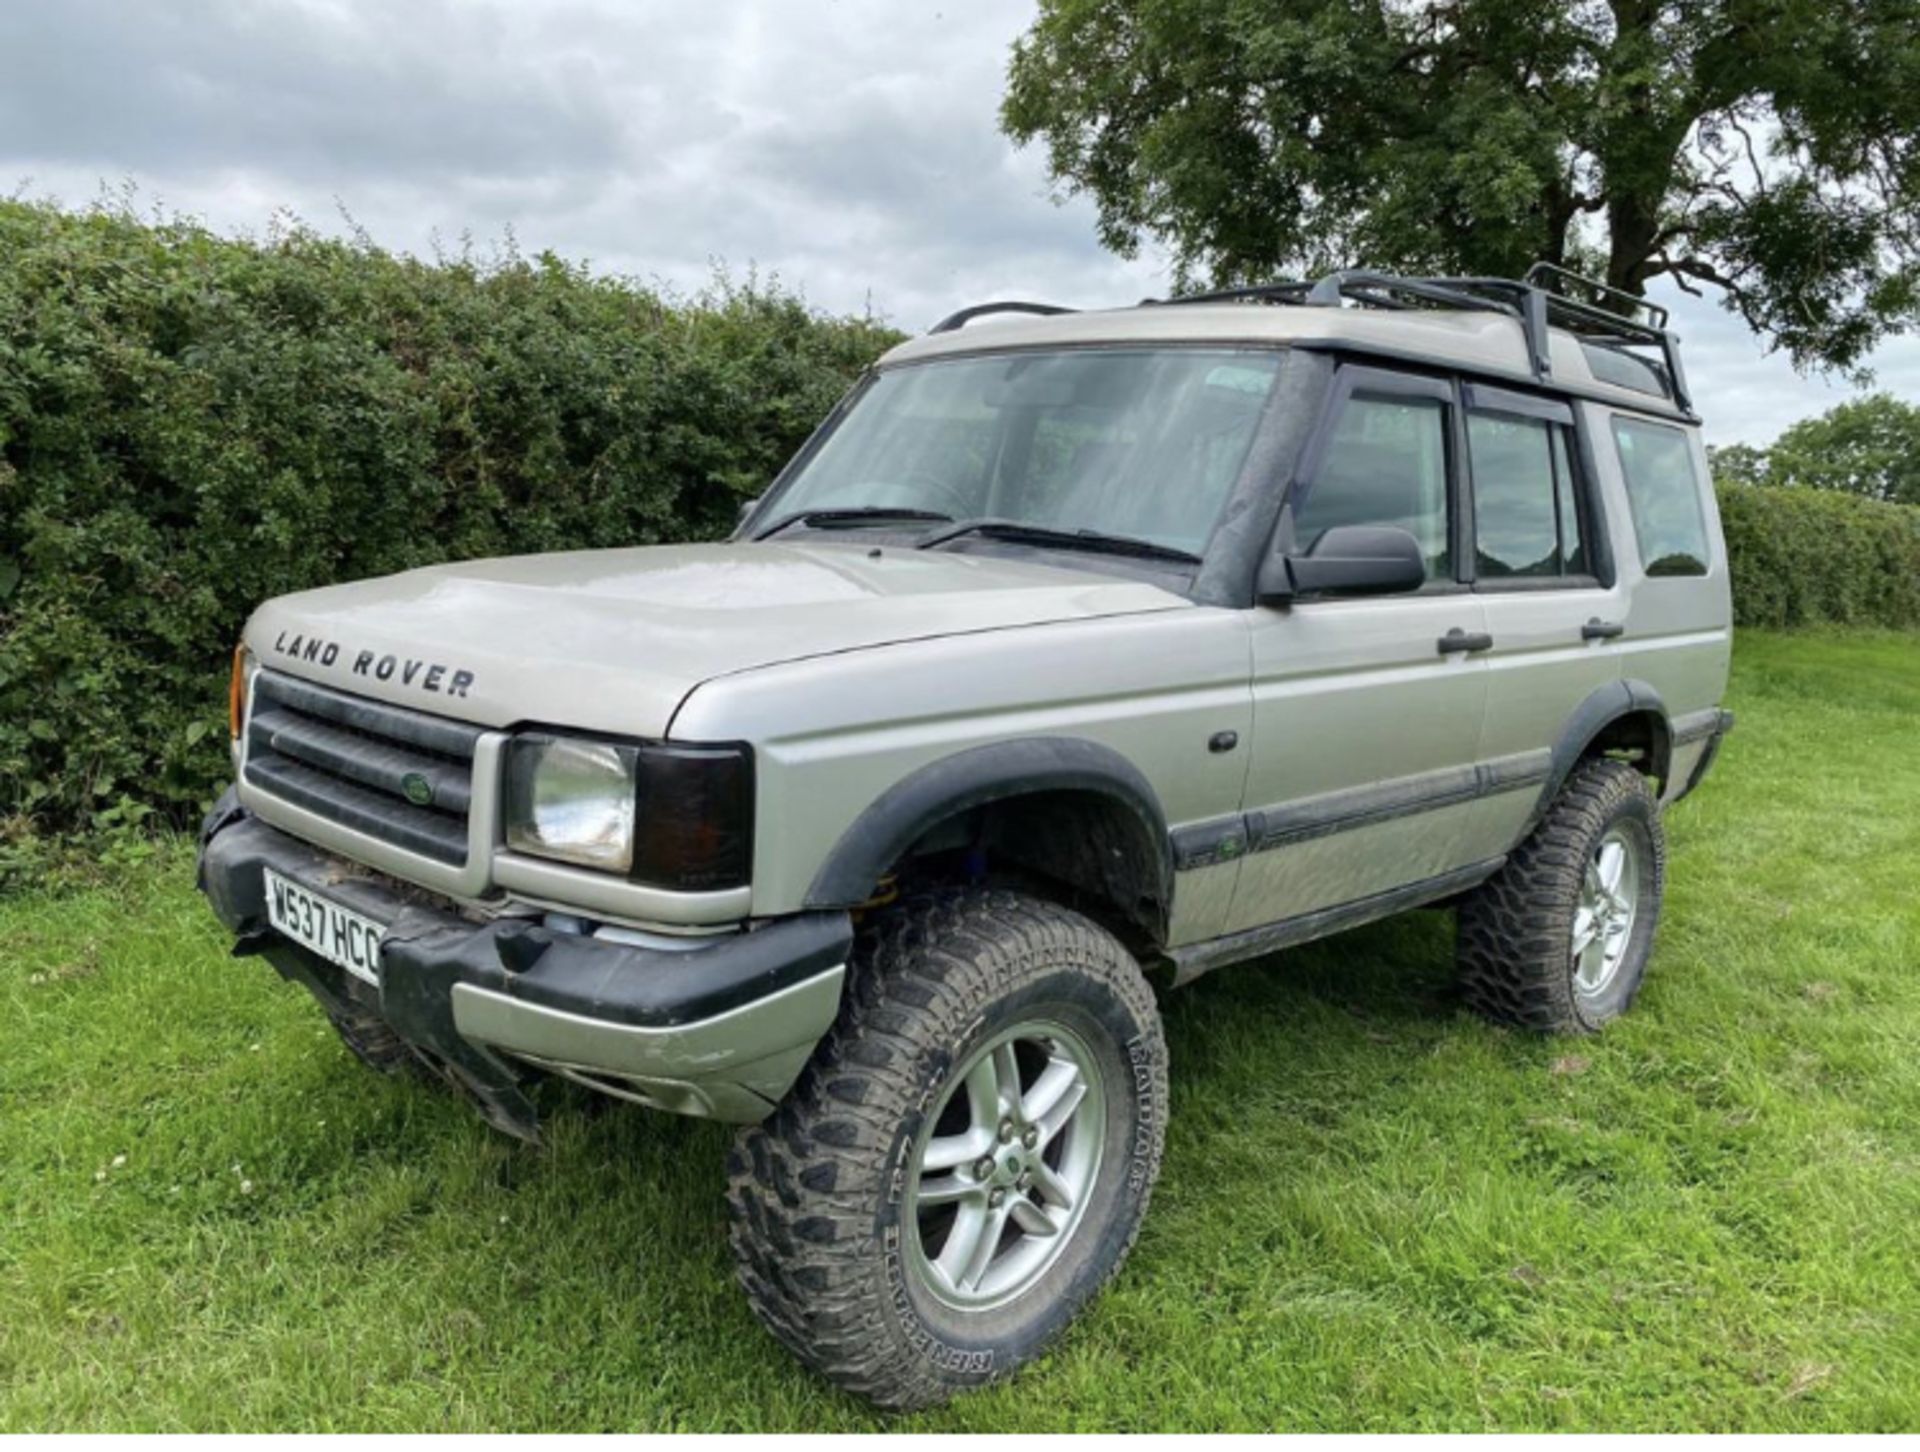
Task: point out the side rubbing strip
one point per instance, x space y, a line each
1207 844
1204 844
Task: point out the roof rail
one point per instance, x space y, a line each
1548 278
960 319
1538 302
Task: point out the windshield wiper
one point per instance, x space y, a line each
862 514
1019 531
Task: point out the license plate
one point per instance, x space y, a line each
338 934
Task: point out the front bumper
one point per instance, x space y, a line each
719 1031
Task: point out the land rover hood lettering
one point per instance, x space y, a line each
407 670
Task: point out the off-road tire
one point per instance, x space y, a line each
1515 930
815 1191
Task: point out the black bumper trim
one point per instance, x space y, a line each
427 948
1722 725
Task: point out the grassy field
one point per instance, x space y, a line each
1376 1211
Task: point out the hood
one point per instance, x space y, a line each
613 640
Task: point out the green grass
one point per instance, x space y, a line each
1376 1212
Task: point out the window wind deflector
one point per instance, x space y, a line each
864 514
1021 532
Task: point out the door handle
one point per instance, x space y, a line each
1598 629
1456 640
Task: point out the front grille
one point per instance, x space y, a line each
352 761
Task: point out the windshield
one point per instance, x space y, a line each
1143 444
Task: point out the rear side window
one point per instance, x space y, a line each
1526 517
1663 489
1385 464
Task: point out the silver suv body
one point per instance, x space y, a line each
1221 625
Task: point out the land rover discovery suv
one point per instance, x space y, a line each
1077 652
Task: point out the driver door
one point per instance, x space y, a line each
1367 712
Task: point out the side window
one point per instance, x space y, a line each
1385 464
1526 516
1663 489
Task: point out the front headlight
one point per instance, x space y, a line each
571 799
670 815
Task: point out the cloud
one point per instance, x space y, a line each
313 93
850 146
1746 395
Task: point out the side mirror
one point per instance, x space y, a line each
747 506
1349 559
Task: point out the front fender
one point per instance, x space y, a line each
907 810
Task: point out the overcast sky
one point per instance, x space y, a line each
850 146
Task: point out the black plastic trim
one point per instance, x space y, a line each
1694 725
451 738
1343 811
1485 398
427 948
953 322
1198 958
380 764
1709 756
1236 553
1209 843
904 812
1560 387
1593 715
417 829
1265 829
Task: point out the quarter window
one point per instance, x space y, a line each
1526 516
1663 489
1385 464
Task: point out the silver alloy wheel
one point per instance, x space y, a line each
1603 920
1005 1166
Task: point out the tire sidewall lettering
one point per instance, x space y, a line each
1092 1005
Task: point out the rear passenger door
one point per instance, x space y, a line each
1362 777
1554 607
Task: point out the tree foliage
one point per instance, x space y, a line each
1737 463
189 425
1868 446
1765 150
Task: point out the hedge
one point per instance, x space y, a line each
1813 556
190 424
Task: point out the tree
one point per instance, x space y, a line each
1737 464
1766 150
1870 446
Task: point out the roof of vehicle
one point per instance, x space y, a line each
1601 357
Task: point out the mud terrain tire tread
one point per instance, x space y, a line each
804 1184
1515 930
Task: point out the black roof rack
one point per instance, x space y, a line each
1538 302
